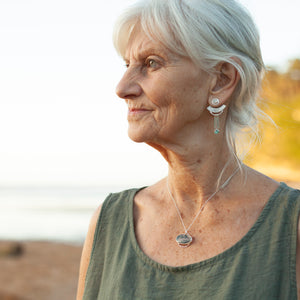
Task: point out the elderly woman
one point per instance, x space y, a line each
213 228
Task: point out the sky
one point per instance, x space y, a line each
60 120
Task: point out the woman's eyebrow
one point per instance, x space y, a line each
155 51
149 51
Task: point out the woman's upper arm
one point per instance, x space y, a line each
86 253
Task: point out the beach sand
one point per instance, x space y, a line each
38 270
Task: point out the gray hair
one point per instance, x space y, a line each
209 32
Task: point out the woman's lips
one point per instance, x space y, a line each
137 109
137 112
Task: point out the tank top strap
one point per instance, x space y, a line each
110 239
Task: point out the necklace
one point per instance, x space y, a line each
185 239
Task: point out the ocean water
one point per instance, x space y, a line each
59 214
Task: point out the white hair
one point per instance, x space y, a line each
209 32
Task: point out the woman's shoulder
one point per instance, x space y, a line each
110 202
120 198
284 194
293 187
291 192
86 252
266 192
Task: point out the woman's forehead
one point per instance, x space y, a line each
140 44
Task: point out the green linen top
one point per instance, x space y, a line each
262 265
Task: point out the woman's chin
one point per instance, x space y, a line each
136 138
139 136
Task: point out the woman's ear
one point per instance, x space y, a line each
225 81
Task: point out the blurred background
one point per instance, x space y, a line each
63 131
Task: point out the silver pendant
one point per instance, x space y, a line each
184 240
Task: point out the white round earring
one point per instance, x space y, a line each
215 102
216 110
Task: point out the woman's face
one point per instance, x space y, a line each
166 94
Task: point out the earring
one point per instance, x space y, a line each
216 111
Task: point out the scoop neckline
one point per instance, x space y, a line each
207 262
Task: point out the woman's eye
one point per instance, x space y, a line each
151 63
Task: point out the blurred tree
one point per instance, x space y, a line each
280 148
294 64
294 70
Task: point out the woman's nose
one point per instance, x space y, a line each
128 87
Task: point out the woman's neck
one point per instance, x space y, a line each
199 162
195 175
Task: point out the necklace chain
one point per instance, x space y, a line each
202 207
